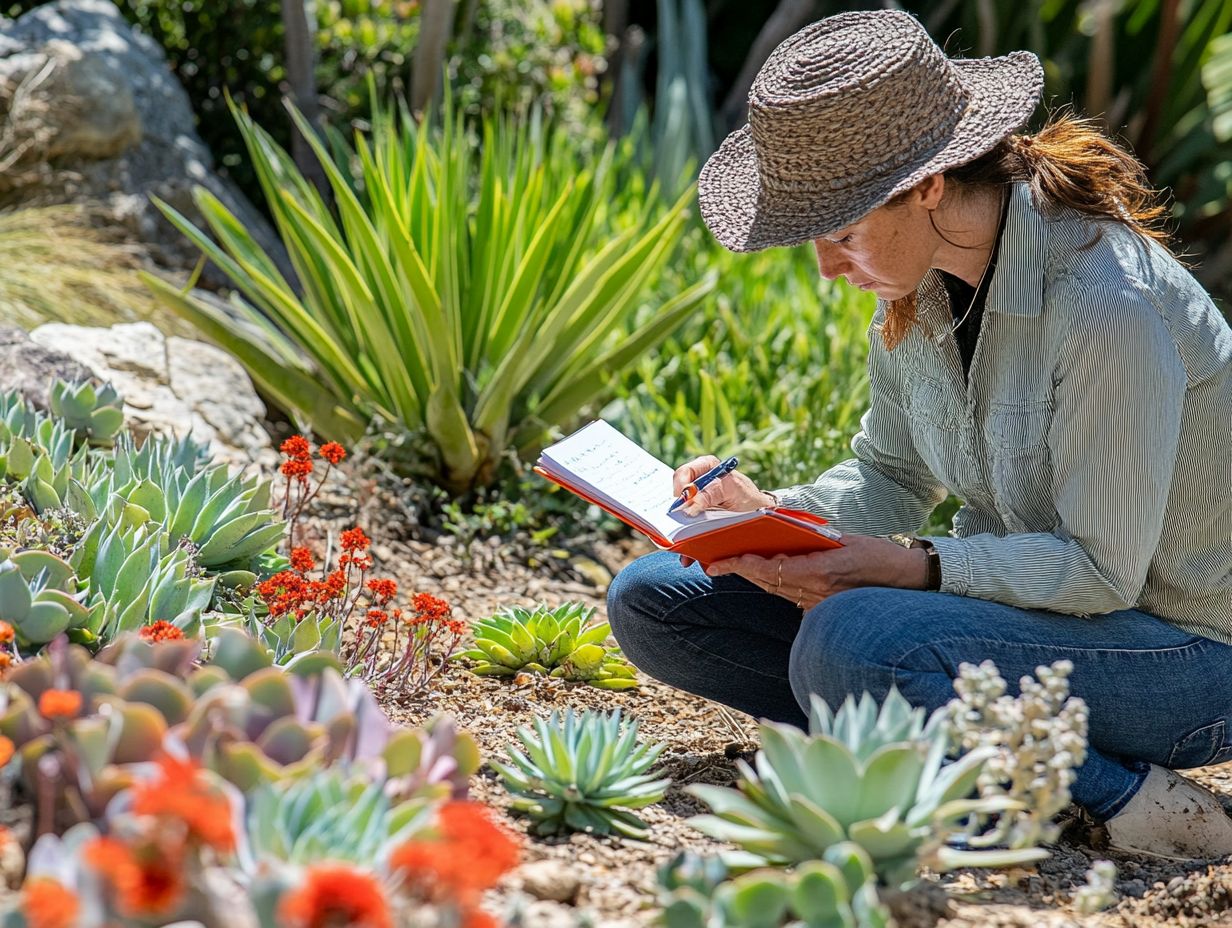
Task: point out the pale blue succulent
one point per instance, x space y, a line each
96 414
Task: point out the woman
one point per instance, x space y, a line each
1036 351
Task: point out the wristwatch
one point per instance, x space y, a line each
934 559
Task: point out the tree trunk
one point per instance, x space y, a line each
1169 24
302 84
435 26
789 16
1100 62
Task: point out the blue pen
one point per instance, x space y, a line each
692 489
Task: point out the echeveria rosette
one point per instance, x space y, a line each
849 779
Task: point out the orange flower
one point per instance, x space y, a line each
296 447
332 452
377 617
160 631
60 704
6 661
6 750
145 884
300 468
383 589
470 855
181 793
430 607
6 632
50 904
334 894
301 560
354 539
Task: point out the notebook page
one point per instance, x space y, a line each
617 470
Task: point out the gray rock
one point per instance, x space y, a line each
550 879
92 112
172 386
29 367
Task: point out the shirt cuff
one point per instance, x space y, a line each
955 564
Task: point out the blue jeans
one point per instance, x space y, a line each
1155 693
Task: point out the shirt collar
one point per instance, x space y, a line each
1017 285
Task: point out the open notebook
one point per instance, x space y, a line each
606 468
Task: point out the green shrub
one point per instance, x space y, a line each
474 295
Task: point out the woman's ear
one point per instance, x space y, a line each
928 192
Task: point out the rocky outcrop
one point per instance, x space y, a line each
91 112
29 368
171 386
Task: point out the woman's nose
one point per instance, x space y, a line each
829 262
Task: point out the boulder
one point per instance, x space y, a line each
93 113
29 368
172 386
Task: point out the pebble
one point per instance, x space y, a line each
550 879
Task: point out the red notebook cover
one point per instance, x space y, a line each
776 532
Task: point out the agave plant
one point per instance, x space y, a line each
471 293
97 415
837 891
583 773
877 778
329 815
560 642
39 596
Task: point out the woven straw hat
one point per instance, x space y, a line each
846 114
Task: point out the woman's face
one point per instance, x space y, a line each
888 251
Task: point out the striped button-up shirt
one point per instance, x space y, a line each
1091 444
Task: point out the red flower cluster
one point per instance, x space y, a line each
301 560
49 904
145 882
335 894
298 469
289 591
332 452
183 794
382 590
470 853
160 631
298 464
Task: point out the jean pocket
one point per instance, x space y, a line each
1199 747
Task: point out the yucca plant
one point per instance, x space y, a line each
583 773
472 290
837 891
560 642
875 777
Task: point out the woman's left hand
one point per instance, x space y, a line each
807 579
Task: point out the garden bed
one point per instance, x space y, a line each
611 883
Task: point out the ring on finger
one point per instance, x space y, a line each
800 599
778 584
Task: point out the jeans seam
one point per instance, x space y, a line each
674 628
897 662
1109 809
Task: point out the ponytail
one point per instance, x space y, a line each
1069 165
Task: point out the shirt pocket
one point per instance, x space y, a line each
1016 435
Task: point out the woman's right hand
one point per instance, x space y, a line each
735 492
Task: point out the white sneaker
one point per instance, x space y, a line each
1172 818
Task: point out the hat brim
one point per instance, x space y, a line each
1004 92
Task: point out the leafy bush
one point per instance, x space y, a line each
583 773
471 294
874 777
559 642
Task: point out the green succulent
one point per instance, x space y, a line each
878 778
97 415
133 578
288 638
328 815
560 642
39 597
837 891
583 773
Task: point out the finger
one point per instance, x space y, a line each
687 473
711 496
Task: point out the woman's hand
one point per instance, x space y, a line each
807 579
734 492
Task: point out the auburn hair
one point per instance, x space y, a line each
1069 164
